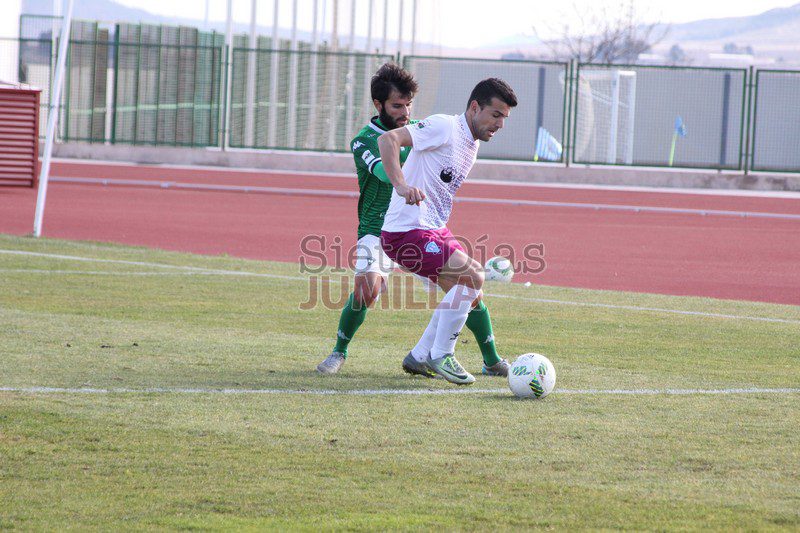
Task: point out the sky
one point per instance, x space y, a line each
459 23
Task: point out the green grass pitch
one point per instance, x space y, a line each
173 459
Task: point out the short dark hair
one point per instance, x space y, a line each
492 88
392 76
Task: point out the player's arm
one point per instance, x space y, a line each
389 145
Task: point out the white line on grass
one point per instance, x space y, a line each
187 269
205 271
650 309
390 392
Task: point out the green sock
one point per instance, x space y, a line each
480 324
349 322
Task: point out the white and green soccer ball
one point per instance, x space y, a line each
499 268
532 375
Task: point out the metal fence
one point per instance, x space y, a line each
776 121
445 85
659 116
299 99
154 85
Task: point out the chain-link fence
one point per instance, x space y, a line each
445 85
776 121
299 99
167 86
659 116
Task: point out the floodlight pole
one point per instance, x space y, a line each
52 120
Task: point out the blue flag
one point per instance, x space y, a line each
680 127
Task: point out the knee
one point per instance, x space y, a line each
365 295
364 299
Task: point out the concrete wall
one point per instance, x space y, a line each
484 169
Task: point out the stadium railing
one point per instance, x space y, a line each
659 116
299 100
446 82
776 121
166 86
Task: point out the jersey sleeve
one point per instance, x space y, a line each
431 133
365 153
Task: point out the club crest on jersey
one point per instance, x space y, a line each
421 124
433 248
446 175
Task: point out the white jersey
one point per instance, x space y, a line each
442 155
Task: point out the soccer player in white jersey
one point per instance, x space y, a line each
415 234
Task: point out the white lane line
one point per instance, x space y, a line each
198 270
482 181
391 392
462 199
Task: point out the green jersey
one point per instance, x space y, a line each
375 194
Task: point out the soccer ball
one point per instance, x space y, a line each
499 268
532 375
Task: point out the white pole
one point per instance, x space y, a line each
250 110
368 46
611 151
272 125
351 75
385 24
333 109
52 119
413 27
400 30
54 29
205 20
292 128
312 87
366 106
226 130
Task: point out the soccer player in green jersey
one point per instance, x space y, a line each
392 90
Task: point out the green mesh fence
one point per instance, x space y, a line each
314 101
776 121
445 85
167 86
659 116
164 85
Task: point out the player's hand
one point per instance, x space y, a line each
413 195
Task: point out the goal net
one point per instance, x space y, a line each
604 123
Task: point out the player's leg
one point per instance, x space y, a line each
479 322
370 280
465 277
429 253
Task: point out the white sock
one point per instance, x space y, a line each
452 311
423 347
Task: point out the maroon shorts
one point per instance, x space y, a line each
420 251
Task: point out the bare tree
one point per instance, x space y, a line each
677 56
605 36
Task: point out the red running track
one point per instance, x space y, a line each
669 253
